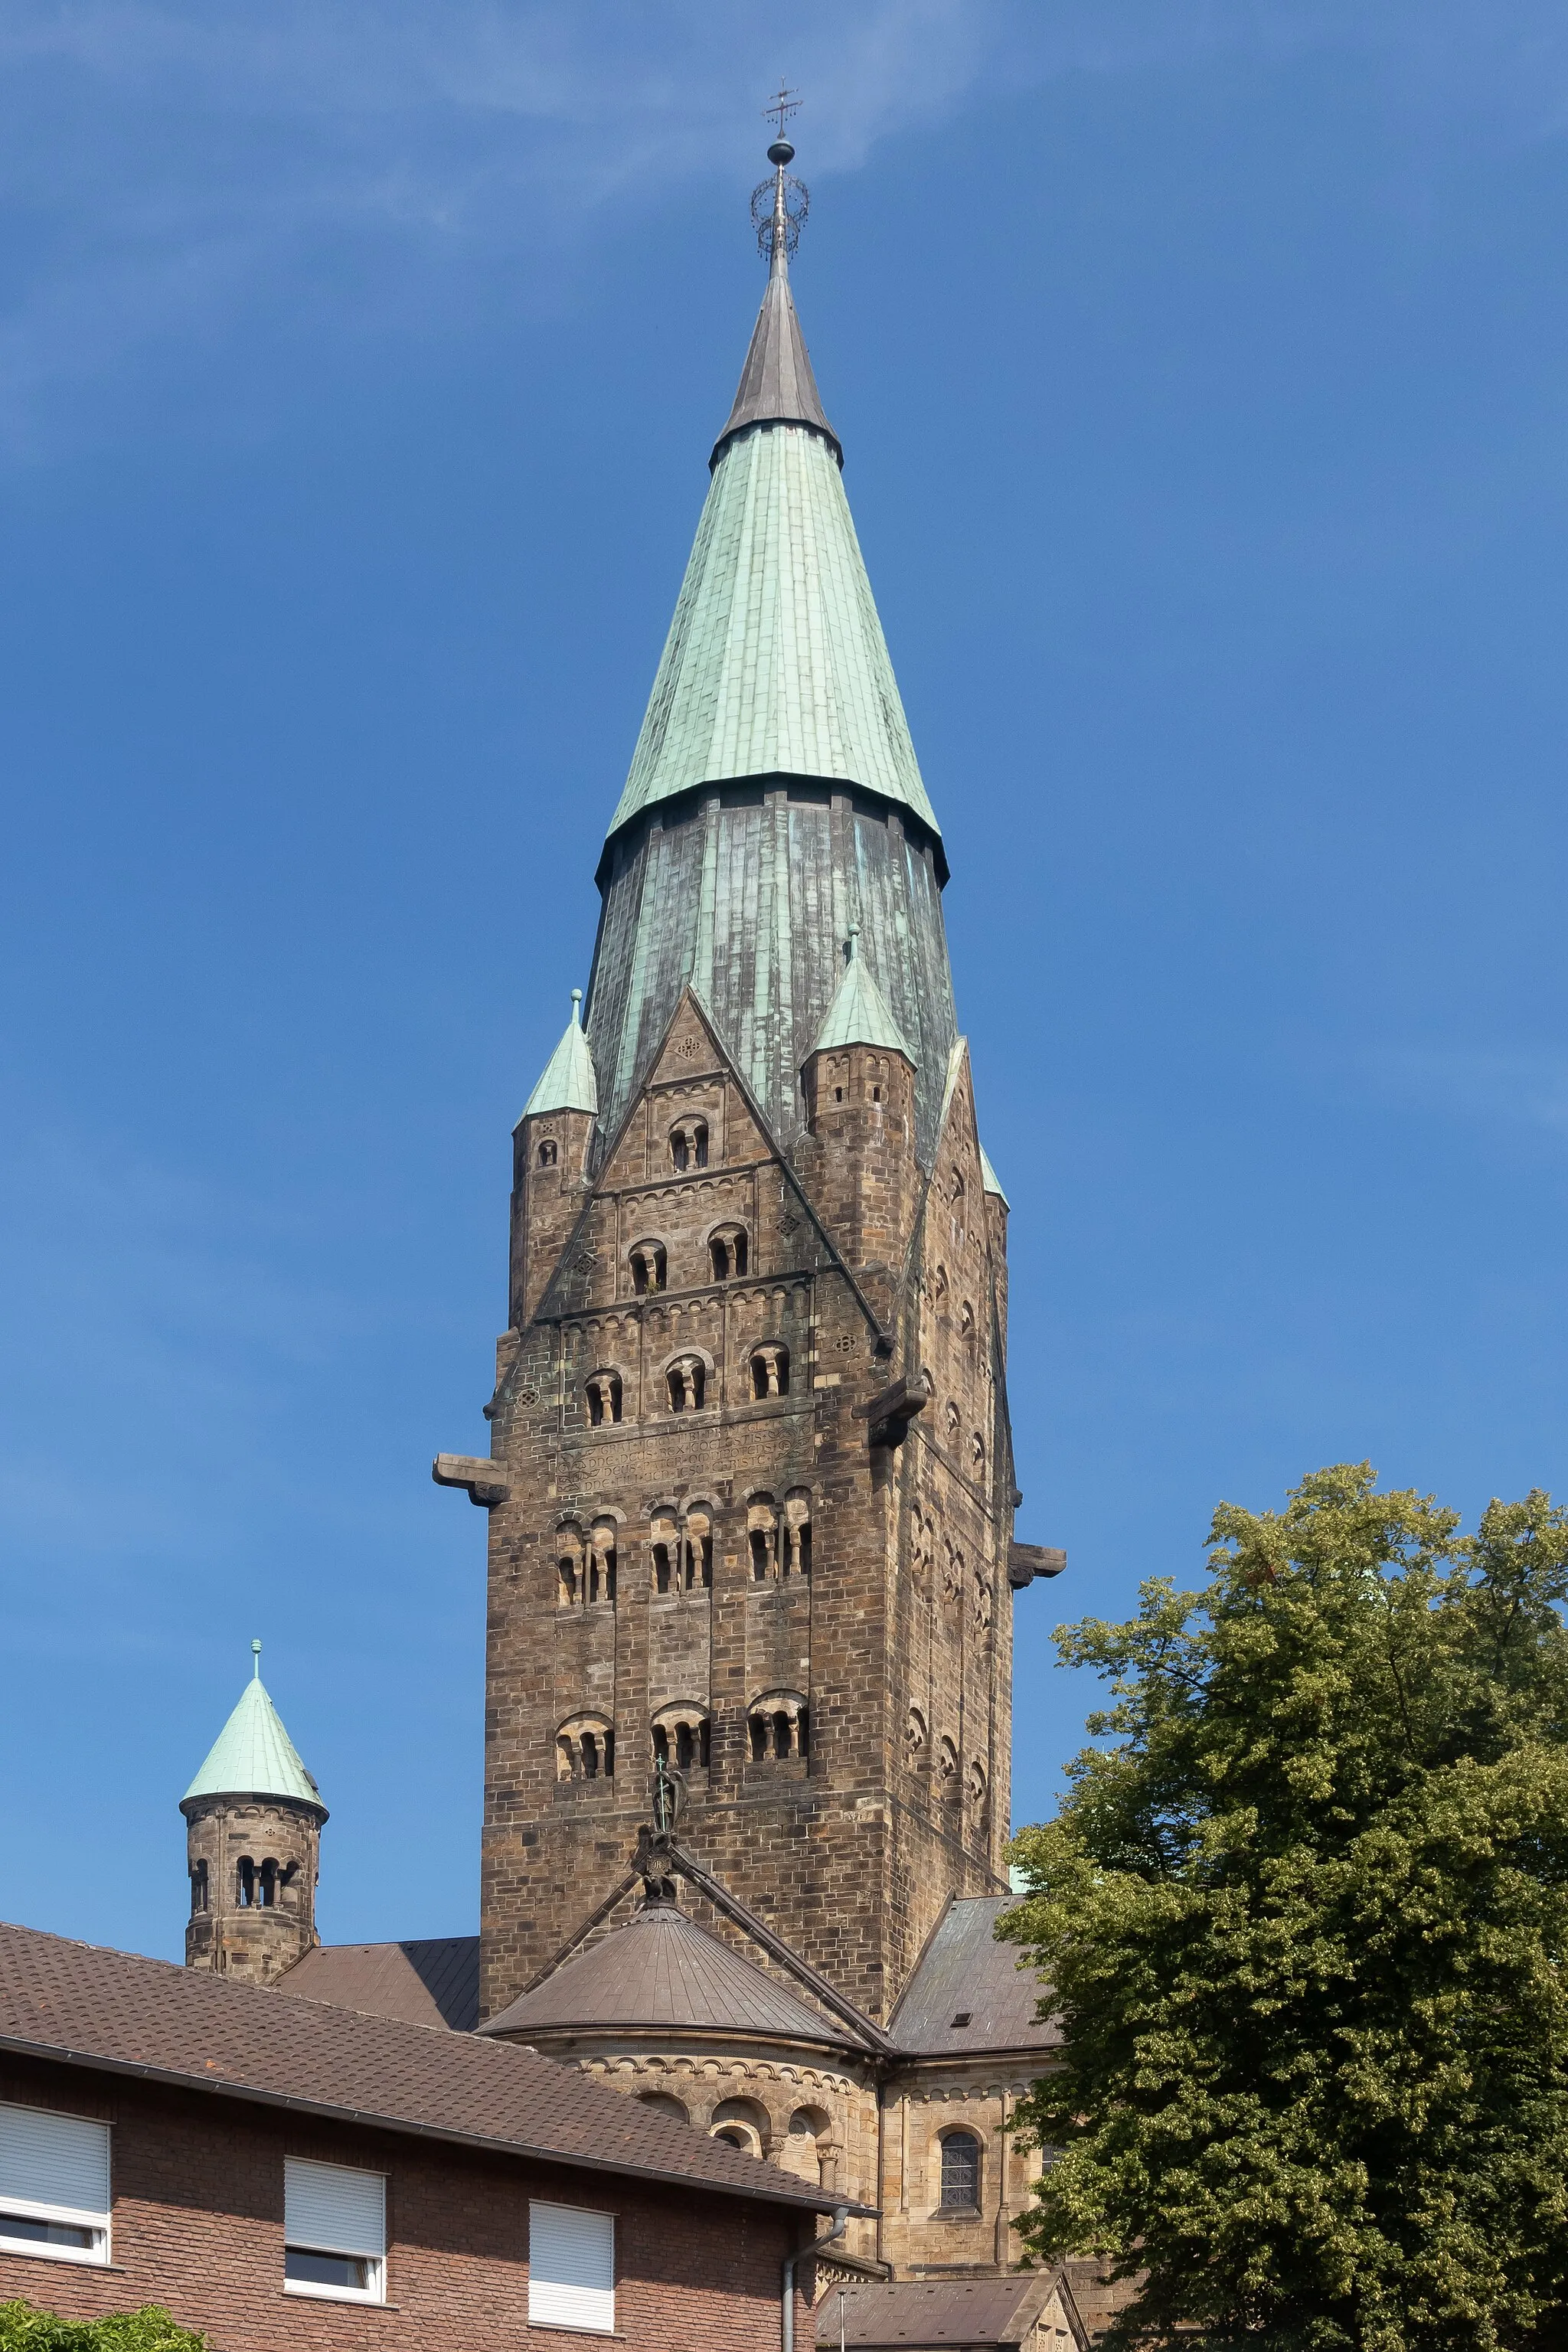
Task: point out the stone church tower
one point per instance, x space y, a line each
751 1483
253 1835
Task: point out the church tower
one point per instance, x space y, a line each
254 1819
751 1483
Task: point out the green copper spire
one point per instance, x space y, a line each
568 1083
776 664
253 1756
859 1014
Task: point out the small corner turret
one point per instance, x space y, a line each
550 1165
254 1818
859 1081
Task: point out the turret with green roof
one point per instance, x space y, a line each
254 1816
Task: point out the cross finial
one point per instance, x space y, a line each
256 1661
779 109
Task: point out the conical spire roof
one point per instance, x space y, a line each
568 1083
253 1756
777 387
776 662
859 1013
662 1972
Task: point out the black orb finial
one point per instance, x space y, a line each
781 152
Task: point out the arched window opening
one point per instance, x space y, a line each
915 1741
602 1561
777 1726
807 2151
697 1552
939 1281
663 1549
662 2103
689 1146
245 1882
744 2123
682 1736
961 2173
974 1783
727 1252
978 1452
687 1381
585 1749
548 1149
198 1887
604 1398
267 1886
947 1767
966 1320
761 1538
950 1418
797 1532
981 1600
568 1567
770 1371
648 1263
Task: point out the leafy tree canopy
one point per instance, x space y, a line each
23 2328
1306 1916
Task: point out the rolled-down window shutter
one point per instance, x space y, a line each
333 2210
570 2268
53 2166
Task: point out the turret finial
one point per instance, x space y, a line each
256 1661
852 943
576 1008
779 205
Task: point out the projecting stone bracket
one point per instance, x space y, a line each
1026 1562
891 1411
487 1482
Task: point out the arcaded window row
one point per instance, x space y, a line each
681 1550
680 1737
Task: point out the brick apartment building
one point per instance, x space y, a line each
284 2174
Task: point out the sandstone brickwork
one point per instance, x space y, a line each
700 1536
253 1863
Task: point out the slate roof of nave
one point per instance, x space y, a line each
964 1973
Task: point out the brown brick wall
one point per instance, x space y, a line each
198 2226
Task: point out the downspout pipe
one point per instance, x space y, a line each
786 2306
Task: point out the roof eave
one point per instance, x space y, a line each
252 2095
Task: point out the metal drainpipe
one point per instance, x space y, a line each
786 2308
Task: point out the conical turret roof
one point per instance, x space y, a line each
568 1082
663 1973
253 1756
859 1013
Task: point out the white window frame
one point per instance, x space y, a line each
320 2291
543 2310
75 2217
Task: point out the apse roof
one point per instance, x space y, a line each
254 1755
661 1971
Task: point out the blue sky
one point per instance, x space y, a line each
1201 375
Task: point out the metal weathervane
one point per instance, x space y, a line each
779 205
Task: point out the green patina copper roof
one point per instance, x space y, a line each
989 1178
568 1083
859 1014
775 662
253 1756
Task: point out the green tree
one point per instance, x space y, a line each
1306 1914
23 2328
